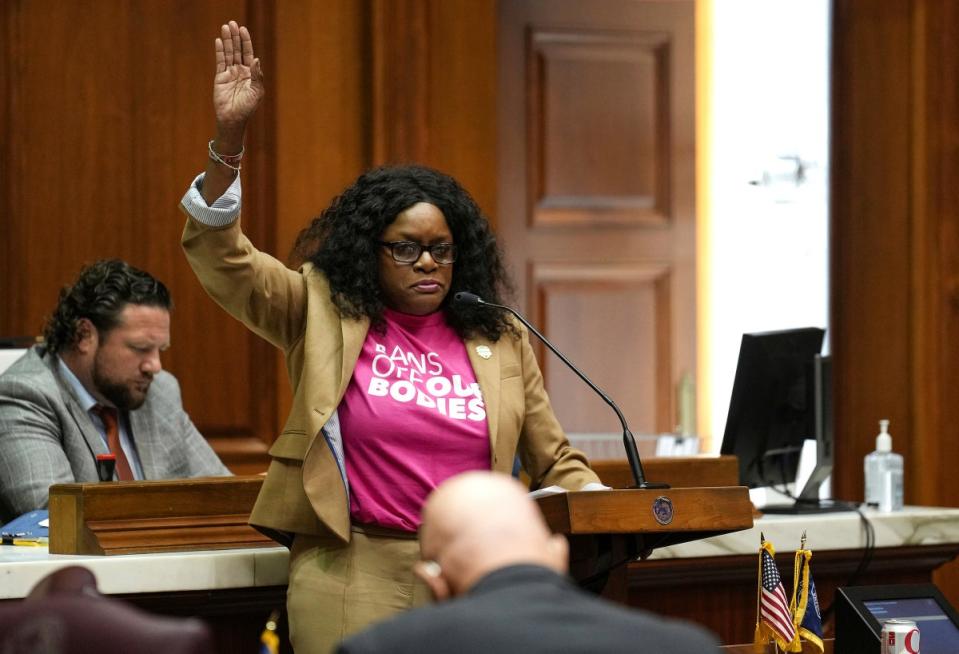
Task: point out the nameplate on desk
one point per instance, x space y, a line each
29 529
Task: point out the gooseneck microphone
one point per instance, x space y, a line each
629 443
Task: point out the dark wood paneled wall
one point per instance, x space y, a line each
895 208
105 113
433 88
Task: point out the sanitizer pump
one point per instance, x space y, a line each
883 470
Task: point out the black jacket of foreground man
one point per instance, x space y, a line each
529 609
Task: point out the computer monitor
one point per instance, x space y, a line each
782 395
860 611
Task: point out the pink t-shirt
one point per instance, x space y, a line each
412 416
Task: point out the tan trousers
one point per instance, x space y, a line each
336 590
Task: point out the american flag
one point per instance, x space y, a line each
773 607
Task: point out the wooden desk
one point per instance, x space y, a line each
233 591
679 471
713 581
828 645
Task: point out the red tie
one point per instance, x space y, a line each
109 417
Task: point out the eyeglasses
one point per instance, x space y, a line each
411 251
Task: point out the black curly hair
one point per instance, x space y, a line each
100 293
342 243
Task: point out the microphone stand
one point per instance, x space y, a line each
629 442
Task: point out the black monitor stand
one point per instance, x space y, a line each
819 389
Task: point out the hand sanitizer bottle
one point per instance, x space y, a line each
883 470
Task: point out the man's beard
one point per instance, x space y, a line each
118 393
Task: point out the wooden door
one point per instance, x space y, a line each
596 204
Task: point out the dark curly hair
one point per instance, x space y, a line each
99 294
342 243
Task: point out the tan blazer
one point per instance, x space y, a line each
304 491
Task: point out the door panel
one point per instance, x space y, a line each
596 211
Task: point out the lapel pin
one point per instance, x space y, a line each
484 351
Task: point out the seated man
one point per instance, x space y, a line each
95 386
488 550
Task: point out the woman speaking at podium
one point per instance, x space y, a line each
395 387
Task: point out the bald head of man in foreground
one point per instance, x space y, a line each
478 522
499 577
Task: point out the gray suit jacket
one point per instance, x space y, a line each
47 438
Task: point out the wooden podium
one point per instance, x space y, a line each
608 529
137 517
611 529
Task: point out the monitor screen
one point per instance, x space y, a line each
937 633
772 409
866 607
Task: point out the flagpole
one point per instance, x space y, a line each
762 541
801 561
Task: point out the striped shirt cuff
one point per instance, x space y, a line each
224 210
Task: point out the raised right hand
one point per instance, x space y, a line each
238 85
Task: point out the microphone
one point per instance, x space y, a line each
106 464
629 442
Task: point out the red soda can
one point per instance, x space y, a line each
899 636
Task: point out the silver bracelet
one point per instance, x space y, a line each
231 161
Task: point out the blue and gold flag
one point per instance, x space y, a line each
804 605
269 640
